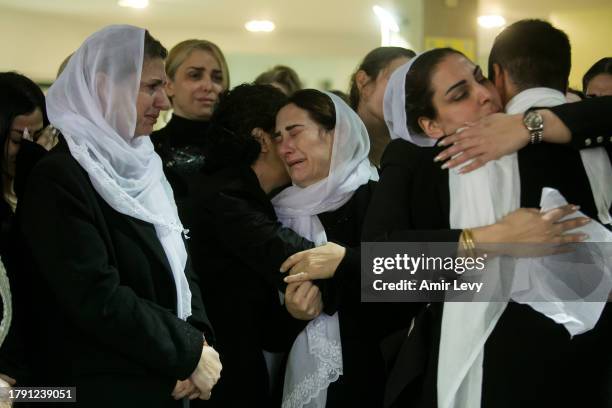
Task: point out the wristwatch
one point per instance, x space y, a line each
534 122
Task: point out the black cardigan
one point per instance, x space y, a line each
101 299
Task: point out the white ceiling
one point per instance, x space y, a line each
329 16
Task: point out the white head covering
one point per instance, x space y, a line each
315 359
394 108
466 326
93 103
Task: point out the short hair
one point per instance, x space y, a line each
181 51
374 62
283 75
229 137
534 54
152 47
418 89
603 66
319 106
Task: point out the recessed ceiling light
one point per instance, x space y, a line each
138 4
492 21
256 26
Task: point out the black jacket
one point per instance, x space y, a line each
590 121
238 245
362 325
12 253
101 298
181 144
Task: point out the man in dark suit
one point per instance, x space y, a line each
529 64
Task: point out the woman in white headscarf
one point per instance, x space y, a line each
335 361
430 97
113 300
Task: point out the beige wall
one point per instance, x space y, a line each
590 33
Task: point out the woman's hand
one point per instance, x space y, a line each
48 137
207 373
185 388
489 139
530 232
316 263
303 300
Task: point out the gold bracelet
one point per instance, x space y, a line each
467 242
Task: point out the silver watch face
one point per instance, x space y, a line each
533 121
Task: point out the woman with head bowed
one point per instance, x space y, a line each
112 299
480 353
367 89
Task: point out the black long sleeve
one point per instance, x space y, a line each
590 121
389 216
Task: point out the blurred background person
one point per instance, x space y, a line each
367 90
281 77
597 81
197 74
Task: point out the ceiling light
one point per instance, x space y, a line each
388 26
492 21
138 4
257 26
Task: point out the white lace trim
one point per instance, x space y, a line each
328 355
7 303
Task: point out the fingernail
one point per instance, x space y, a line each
584 237
444 166
438 158
442 143
585 220
575 207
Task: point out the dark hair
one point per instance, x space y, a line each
603 66
19 95
153 48
282 75
319 106
374 62
341 95
244 108
534 54
419 92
